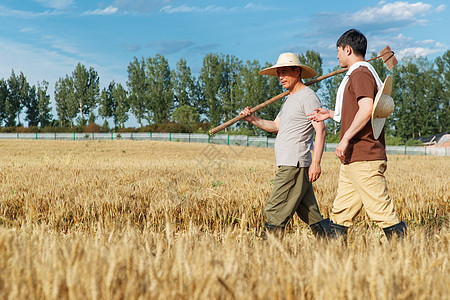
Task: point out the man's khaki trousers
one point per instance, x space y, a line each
292 192
363 183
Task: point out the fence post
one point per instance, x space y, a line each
131 136
150 136
112 135
267 142
74 136
405 149
36 136
170 136
189 137
17 135
92 136
247 140
228 141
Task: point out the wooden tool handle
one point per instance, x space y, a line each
252 110
270 101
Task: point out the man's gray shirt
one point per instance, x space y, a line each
295 134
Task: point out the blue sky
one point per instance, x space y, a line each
45 39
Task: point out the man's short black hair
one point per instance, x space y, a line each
355 39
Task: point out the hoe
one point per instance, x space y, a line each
387 55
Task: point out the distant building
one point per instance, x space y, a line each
439 140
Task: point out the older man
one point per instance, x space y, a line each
297 169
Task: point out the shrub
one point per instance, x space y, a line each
393 140
239 131
92 128
187 116
413 142
126 129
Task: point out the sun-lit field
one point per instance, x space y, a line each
168 220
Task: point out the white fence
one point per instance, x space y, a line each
222 139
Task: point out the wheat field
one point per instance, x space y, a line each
167 220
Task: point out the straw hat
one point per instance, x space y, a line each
288 60
383 107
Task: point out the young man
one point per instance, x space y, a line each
363 157
293 190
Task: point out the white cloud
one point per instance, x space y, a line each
193 9
56 4
14 13
260 7
405 46
110 10
397 11
63 46
384 17
441 8
27 29
428 42
166 7
169 9
140 6
416 52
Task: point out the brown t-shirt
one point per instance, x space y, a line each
363 146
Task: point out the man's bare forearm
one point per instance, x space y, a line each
319 142
266 125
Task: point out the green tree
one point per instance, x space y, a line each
114 103
17 97
186 115
121 105
443 75
257 89
379 67
66 105
432 101
230 92
273 88
4 95
106 105
414 106
313 60
211 81
31 107
86 91
139 89
161 94
43 104
184 85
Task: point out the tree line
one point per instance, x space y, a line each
177 100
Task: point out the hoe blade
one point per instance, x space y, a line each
388 57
